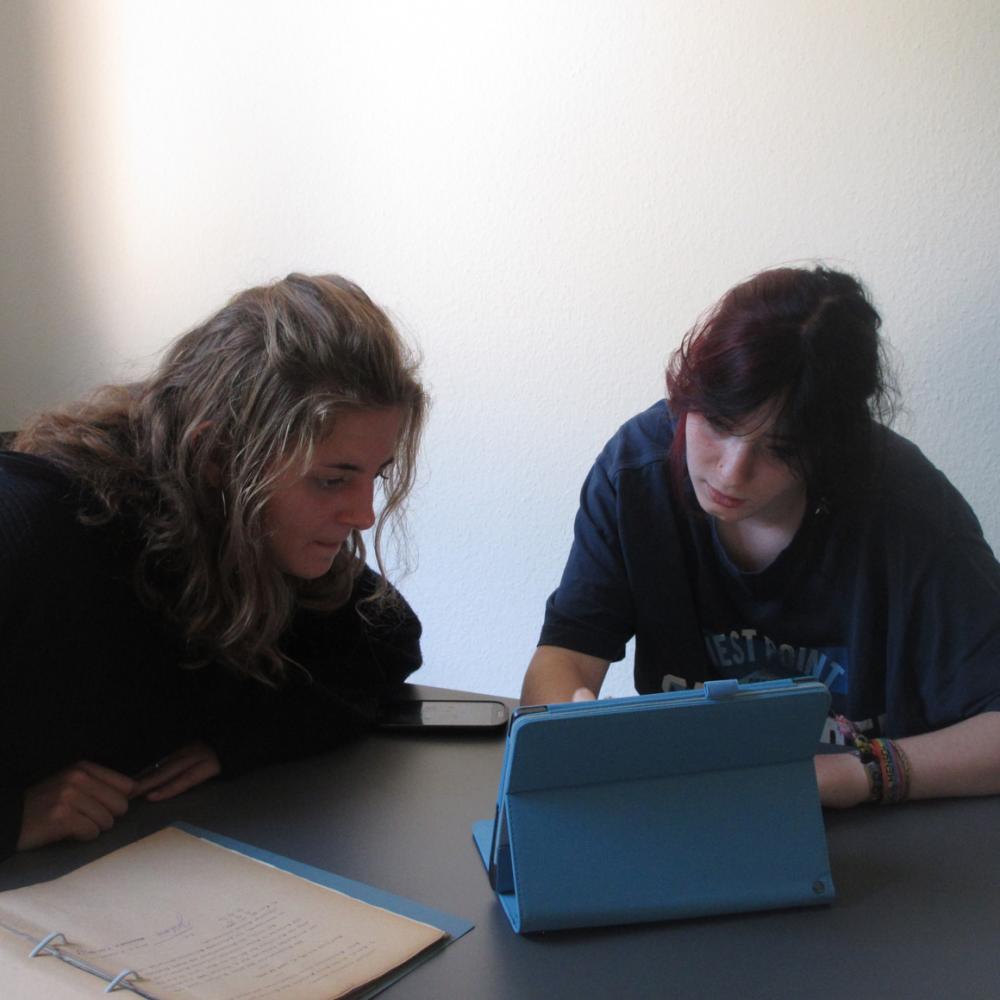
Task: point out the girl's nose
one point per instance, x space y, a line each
736 461
360 513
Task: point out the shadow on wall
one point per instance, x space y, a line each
40 300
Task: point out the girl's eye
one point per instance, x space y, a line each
328 484
782 451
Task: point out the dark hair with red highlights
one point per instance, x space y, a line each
806 339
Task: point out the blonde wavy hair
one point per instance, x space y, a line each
192 454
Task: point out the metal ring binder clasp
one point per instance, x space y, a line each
43 945
119 979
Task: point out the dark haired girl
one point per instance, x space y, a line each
763 522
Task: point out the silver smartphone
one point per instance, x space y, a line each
444 714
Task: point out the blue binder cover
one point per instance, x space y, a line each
670 805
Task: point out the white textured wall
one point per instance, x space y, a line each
544 194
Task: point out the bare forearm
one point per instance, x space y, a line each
555 674
963 759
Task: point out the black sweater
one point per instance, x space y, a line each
88 672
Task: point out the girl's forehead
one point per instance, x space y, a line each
758 423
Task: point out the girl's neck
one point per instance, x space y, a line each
754 543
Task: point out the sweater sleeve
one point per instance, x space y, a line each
11 807
14 543
11 796
345 664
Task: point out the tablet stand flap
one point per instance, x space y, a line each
680 846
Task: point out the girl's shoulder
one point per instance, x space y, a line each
19 468
643 440
40 507
912 495
31 487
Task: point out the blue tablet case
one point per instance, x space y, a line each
668 805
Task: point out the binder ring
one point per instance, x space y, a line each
43 945
119 979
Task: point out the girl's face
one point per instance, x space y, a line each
738 473
310 515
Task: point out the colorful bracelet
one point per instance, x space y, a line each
887 768
895 771
873 772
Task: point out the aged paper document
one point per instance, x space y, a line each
198 921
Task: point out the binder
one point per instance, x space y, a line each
452 925
53 947
661 806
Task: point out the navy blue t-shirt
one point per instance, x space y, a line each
892 601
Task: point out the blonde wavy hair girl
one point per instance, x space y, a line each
192 455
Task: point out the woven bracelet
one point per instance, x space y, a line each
873 772
887 768
895 769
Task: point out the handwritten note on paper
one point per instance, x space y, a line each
200 921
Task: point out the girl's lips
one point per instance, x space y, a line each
723 499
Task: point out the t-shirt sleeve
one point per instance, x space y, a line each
592 610
346 663
948 656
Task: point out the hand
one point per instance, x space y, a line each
78 803
559 675
192 764
841 779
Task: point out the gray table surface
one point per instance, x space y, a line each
917 914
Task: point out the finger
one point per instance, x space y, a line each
50 816
71 825
78 784
77 802
37 831
73 812
175 764
169 768
85 830
165 771
122 783
198 772
584 694
86 817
